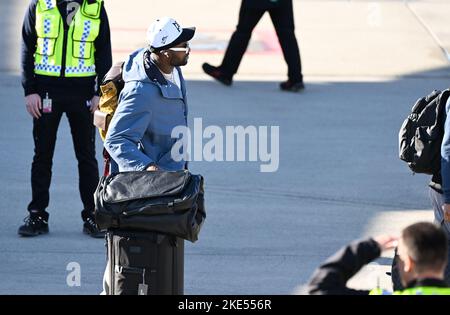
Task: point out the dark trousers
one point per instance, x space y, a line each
282 17
83 135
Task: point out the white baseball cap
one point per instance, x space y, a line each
166 33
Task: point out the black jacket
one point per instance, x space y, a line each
332 276
62 87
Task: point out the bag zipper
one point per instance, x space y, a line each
171 204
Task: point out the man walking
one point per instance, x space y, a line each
153 101
66 47
281 13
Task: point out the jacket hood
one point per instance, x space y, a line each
134 69
140 67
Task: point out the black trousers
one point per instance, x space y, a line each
83 135
282 17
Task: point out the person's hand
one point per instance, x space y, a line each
33 103
152 168
94 103
386 241
446 208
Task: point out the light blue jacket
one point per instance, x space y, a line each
149 108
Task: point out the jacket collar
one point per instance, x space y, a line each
429 282
155 76
152 70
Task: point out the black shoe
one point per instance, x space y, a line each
217 74
292 86
91 228
35 224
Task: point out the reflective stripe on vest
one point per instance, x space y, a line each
424 291
414 291
49 4
83 30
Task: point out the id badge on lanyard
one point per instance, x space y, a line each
47 104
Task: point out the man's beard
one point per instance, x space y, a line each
182 62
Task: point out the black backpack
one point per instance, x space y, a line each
421 134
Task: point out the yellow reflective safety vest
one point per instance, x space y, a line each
414 291
83 30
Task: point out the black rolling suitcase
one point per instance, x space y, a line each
148 215
145 263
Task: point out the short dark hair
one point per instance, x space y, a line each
427 245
